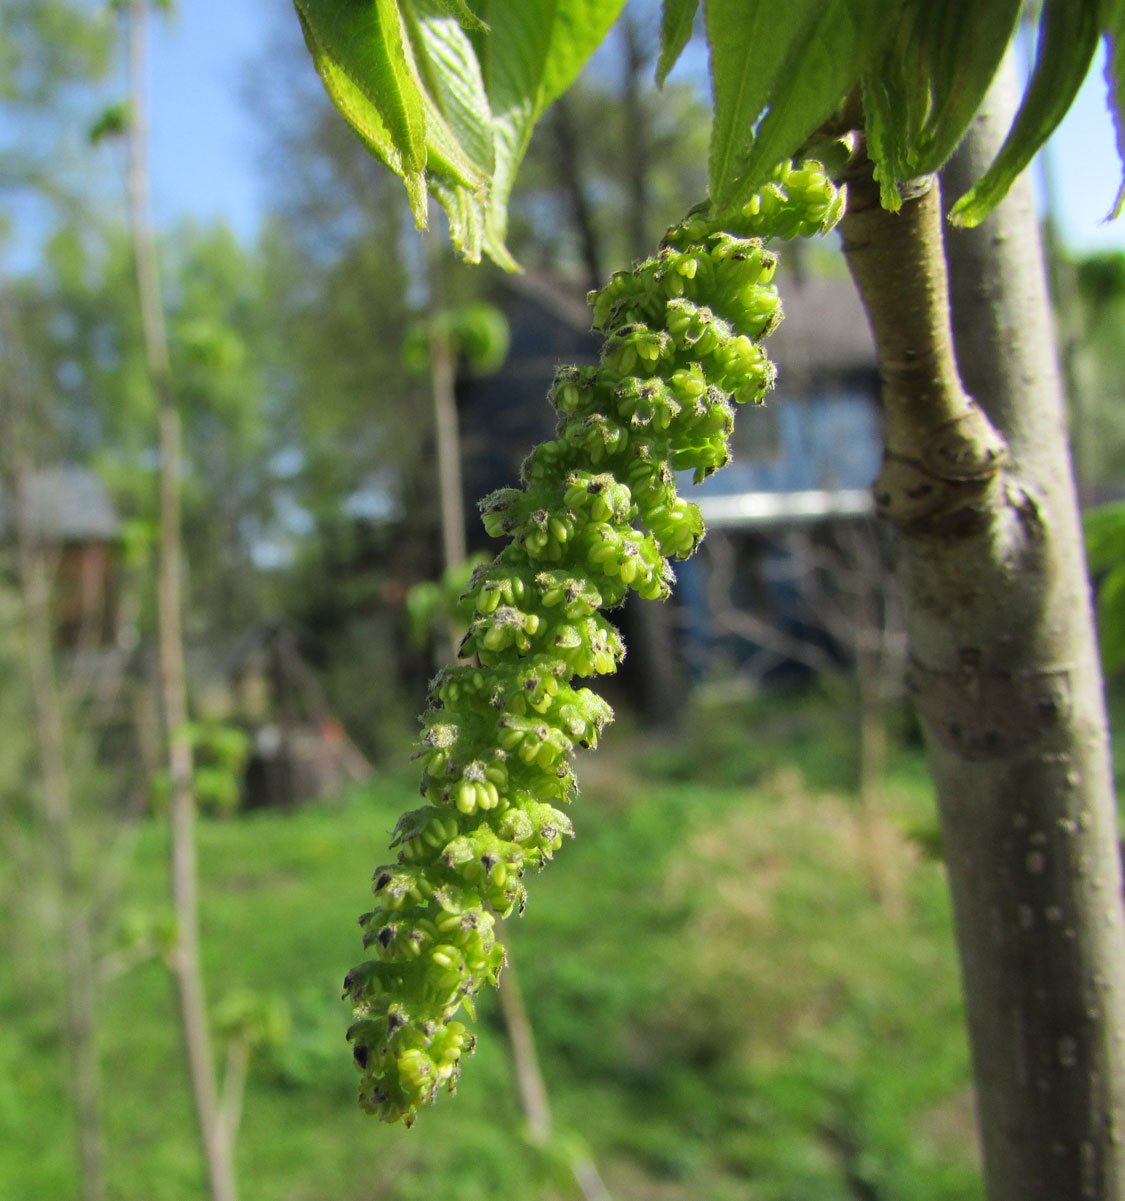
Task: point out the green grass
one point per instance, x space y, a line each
742 986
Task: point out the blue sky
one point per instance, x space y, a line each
205 144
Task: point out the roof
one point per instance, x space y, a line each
66 503
825 330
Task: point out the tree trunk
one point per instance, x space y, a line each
53 804
185 958
1004 673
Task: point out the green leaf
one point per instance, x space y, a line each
459 126
920 97
578 28
1111 620
448 100
676 21
360 52
462 12
366 40
748 43
454 90
802 59
820 71
1068 36
532 53
111 122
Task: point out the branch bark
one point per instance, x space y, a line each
185 959
1004 673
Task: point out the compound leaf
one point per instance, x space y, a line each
919 98
801 59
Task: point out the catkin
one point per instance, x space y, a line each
598 513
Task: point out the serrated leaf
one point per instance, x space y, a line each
919 98
677 18
447 63
366 43
449 100
532 53
462 12
367 121
963 44
822 65
1068 36
749 42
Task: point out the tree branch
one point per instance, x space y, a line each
943 457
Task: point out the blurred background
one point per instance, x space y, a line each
739 981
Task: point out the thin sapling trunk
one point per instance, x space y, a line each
214 1135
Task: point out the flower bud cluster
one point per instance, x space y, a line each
598 514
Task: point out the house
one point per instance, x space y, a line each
802 466
790 519
69 513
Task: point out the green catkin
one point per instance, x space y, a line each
598 514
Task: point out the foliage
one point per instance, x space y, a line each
448 102
1095 354
476 332
441 95
433 603
79 320
219 754
639 935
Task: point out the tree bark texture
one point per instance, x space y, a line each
1004 670
186 961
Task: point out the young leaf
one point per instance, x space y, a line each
919 99
820 69
962 45
447 63
367 121
676 21
801 59
463 13
578 28
366 42
1068 36
749 42
529 57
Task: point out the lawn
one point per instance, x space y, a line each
742 983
